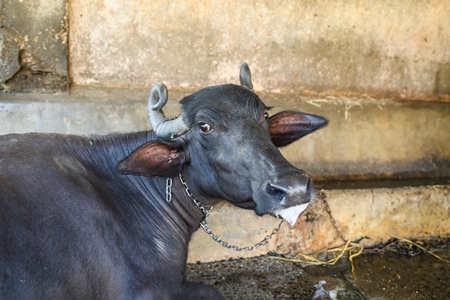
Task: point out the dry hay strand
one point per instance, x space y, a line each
410 244
350 250
354 249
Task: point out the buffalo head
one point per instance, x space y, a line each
225 144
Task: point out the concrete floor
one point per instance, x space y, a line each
382 276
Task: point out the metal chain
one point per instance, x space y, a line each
198 203
322 197
169 190
216 238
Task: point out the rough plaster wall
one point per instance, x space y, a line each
371 139
365 139
381 48
33 45
371 215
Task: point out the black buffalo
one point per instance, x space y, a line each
88 217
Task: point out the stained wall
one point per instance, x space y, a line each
376 48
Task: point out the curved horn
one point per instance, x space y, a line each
245 77
162 127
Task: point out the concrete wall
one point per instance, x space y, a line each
365 139
380 48
33 45
371 216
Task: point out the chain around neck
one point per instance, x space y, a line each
204 210
216 238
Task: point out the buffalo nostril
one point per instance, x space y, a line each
309 185
294 189
276 190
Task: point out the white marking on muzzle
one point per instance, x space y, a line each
291 214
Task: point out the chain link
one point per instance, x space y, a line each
169 190
322 197
217 239
198 203
214 236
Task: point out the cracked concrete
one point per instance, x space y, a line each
34 47
9 55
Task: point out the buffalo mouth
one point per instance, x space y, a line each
247 204
290 214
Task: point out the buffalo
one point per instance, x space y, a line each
110 217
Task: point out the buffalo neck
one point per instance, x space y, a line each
140 201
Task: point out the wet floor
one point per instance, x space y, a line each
384 275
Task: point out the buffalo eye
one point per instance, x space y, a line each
266 115
204 127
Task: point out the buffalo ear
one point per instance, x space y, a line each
245 77
159 158
288 126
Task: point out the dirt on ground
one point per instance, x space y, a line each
399 275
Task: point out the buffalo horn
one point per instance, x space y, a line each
162 127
